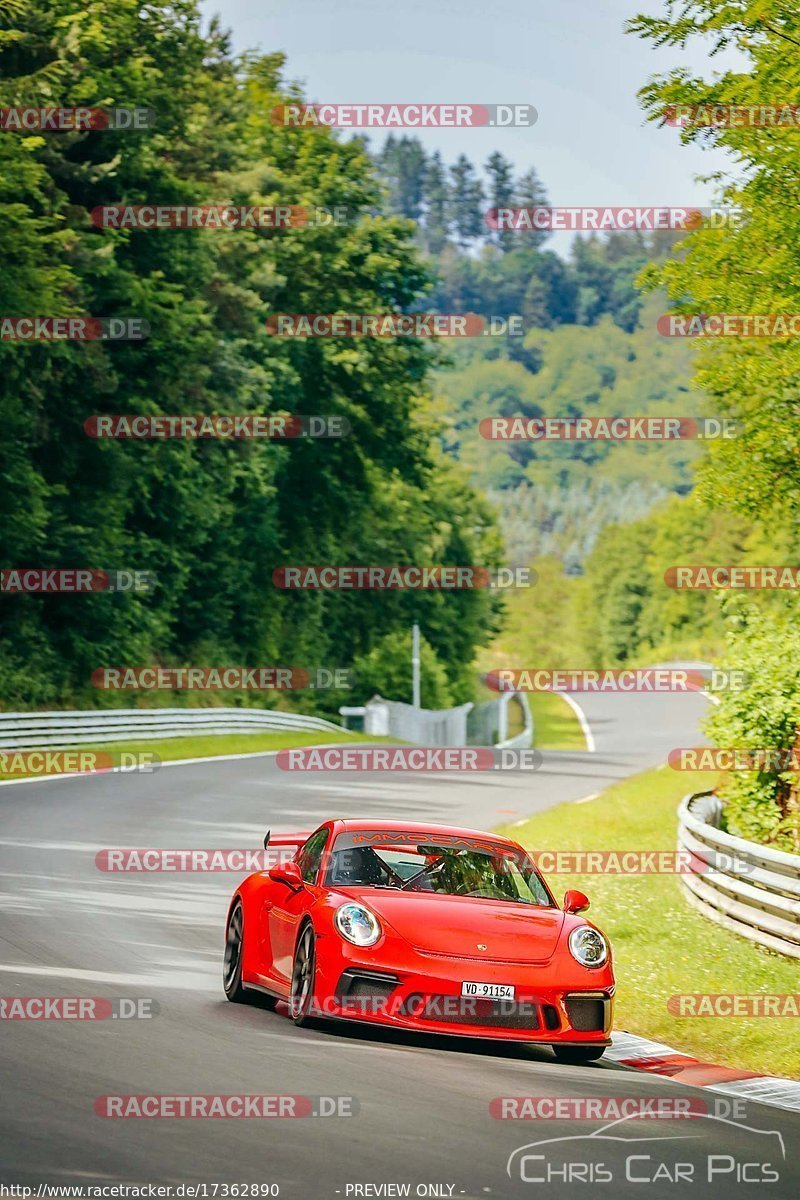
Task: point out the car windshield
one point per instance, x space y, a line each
438 864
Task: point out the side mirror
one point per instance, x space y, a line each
574 901
289 874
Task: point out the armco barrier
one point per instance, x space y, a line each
30 729
751 889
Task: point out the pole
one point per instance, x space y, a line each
415 700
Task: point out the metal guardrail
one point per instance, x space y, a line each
750 889
20 730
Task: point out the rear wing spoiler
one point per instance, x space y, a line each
286 839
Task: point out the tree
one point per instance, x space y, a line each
761 805
501 194
211 519
404 167
436 203
530 192
750 264
386 671
466 203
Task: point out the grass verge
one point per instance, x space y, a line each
555 726
209 745
662 947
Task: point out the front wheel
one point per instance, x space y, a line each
301 997
578 1054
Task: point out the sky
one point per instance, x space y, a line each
569 58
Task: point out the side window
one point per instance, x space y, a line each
310 857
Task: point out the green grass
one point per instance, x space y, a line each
662 947
555 726
210 744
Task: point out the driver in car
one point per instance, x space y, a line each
358 865
463 874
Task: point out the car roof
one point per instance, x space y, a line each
356 823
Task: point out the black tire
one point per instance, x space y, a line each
301 998
232 962
578 1054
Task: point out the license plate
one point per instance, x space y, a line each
488 991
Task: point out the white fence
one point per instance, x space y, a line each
425 726
29 729
487 724
468 725
751 889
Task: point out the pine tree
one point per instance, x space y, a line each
404 162
501 194
467 200
530 193
436 199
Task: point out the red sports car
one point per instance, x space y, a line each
423 927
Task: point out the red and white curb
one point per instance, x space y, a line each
659 1059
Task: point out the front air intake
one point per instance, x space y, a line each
366 985
588 1013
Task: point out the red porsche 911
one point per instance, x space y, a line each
423 927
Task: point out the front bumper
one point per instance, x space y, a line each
555 1002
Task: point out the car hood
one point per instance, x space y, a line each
457 927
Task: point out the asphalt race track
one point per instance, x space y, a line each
423 1105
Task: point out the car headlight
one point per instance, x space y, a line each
357 924
588 947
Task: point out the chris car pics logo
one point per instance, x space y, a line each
619 1152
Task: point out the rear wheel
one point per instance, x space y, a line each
303 972
578 1054
232 963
